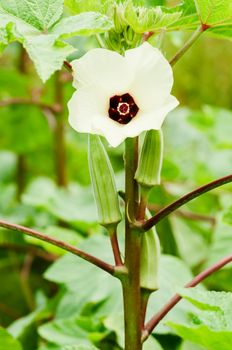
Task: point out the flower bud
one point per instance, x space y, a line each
119 19
150 256
151 158
112 41
103 182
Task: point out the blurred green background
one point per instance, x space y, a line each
44 183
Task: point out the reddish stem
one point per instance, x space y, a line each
185 199
116 250
61 244
154 321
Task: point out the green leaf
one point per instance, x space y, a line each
73 204
30 121
211 324
45 50
47 53
33 23
71 331
3 39
86 290
105 290
64 234
152 344
88 23
79 347
7 342
7 165
41 14
174 274
196 235
214 12
186 345
221 32
188 7
78 6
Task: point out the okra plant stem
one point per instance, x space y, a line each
131 281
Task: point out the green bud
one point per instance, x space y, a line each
103 182
113 41
151 158
150 256
119 19
129 34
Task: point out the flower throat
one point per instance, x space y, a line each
122 108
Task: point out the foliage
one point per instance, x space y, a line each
45 303
210 324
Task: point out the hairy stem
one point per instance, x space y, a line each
131 282
154 321
185 199
61 244
187 45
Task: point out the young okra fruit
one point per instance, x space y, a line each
103 182
151 158
150 256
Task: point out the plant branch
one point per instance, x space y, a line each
131 282
23 101
115 248
185 199
187 45
176 298
186 214
61 244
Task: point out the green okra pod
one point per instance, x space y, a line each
150 160
103 182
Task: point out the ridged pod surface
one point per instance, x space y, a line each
103 182
150 160
150 257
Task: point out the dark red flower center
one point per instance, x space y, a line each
122 108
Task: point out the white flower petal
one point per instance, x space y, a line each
153 76
150 120
88 113
84 106
102 68
110 129
101 74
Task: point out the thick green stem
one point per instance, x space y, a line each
131 282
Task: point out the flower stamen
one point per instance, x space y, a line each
122 108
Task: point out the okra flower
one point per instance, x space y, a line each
121 96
